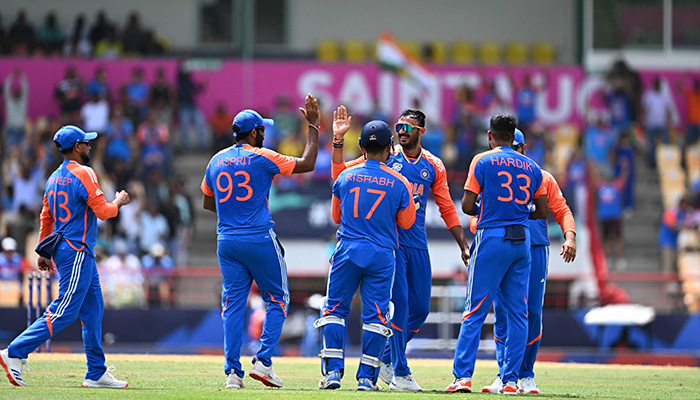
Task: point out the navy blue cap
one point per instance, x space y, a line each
519 138
247 120
69 135
376 132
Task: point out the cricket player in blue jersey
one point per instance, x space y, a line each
500 260
369 201
72 203
539 265
413 278
236 187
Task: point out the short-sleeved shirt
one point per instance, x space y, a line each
427 172
610 200
371 196
507 181
239 179
71 190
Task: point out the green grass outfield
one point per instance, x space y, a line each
58 376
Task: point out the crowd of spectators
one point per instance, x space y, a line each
102 38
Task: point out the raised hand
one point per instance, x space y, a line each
341 122
122 198
310 110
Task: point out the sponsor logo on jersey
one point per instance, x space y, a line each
397 167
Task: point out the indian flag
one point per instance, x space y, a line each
390 55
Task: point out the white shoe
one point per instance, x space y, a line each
386 372
14 368
264 374
495 387
405 383
511 388
527 385
330 381
234 381
105 381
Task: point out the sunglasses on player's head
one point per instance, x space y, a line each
407 128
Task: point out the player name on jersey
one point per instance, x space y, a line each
233 161
511 162
382 181
60 180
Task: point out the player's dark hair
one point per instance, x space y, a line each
239 135
503 126
418 115
374 148
64 151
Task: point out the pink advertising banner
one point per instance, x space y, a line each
567 94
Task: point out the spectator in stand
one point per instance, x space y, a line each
631 82
692 103
11 263
598 144
154 228
609 209
50 37
671 223
537 144
135 97
656 111
159 268
132 38
153 137
122 278
21 35
287 121
192 122
15 94
98 84
624 155
109 46
78 43
162 98
95 113
618 102
575 188
129 216
100 28
28 184
220 123
152 45
525 100
69 95
120 137
184 213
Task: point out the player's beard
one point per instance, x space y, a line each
259 141
412 143
85 157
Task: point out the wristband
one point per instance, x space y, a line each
338 146
315 127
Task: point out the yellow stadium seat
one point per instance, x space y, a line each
328 50
462 52
516 53
355 51
490 53
412 48
543 53
438 52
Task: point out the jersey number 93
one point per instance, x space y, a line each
224 183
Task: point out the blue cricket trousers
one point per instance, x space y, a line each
495 265
79 296
535 301
411 297
242 260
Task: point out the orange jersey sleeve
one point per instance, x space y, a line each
335 210
286 164
441 192
336 169
96 198
472 184
205 188
557 204
46 220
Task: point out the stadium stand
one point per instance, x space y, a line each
543 53
328 50
489 53
355 50
462 52
516 53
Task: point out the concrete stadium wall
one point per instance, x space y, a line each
308 21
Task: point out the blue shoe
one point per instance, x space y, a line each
365 384
330 381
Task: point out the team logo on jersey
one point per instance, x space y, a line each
425 174
397 167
